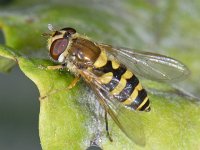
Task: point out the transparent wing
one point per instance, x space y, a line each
149 65
127 120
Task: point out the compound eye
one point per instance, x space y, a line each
58 47
69 30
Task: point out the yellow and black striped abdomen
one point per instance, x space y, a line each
122 83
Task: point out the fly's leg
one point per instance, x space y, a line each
107 130
72 84
55 67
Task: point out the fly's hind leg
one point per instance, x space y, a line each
107 130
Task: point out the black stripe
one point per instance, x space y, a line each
128 90
56 33
117 73
140 98
145 106
106 68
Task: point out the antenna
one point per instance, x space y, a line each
50 27
46 34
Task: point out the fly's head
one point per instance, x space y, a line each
59 44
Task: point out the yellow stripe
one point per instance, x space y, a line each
127 75
147 107
139 87
106 78
144 101
102 60
121 85
133 95
115 64
131 98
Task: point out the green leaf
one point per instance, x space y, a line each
65 120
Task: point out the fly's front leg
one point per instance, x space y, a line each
70 86
56 67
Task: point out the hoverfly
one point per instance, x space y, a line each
110 72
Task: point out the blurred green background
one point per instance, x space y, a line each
19 107
169 27
19 110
